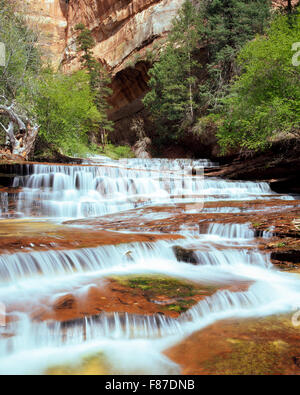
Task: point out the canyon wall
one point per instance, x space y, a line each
124 31
50 17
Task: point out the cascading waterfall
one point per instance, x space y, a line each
103 331
3 203
88 191
18 266
224 253
35 275
231 231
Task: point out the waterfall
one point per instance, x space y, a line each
154 257
3 203
231 231
96 333
224 254
88 191
52 263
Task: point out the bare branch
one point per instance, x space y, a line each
13 116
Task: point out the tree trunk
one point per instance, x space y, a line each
22 143
190 88
25 144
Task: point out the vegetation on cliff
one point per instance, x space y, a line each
99 80
264 101
227 67
46 109
18 128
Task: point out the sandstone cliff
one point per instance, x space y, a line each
123 29
50 16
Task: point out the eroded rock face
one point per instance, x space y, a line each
50 16
121 27
123 30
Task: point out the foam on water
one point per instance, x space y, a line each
3 203
34 342
87 191
225 253
32 276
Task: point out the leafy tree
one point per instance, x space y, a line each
66 111
171 99
99 77
22 67
23 60
199 60
264 102
225 26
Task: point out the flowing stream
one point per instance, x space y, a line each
224 253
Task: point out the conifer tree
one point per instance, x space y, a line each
173 79
198 62
99 77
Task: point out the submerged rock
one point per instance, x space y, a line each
185 255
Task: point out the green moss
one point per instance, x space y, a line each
89 365
158 285
176 308
117 152
280 245
251 358
181 306
256 224
180 292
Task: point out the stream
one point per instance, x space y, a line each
72 234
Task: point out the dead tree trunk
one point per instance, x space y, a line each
20 138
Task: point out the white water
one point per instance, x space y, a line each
88 191
225 253
44 345
3 203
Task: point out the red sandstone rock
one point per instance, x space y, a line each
123 31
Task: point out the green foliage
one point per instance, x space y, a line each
23 62
226 25
199 60
99 77
117 152
264 102
66 111
172 83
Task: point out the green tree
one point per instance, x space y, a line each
225 26
171 100
99 77
23 61
264 102
66 111
20 72
199 60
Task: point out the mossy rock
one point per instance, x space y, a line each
180 292
90 365
251 358
266 346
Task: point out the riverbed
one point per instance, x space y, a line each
143 267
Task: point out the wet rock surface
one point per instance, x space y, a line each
277 219
30 236
264 346
185 255
147 294
155 263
